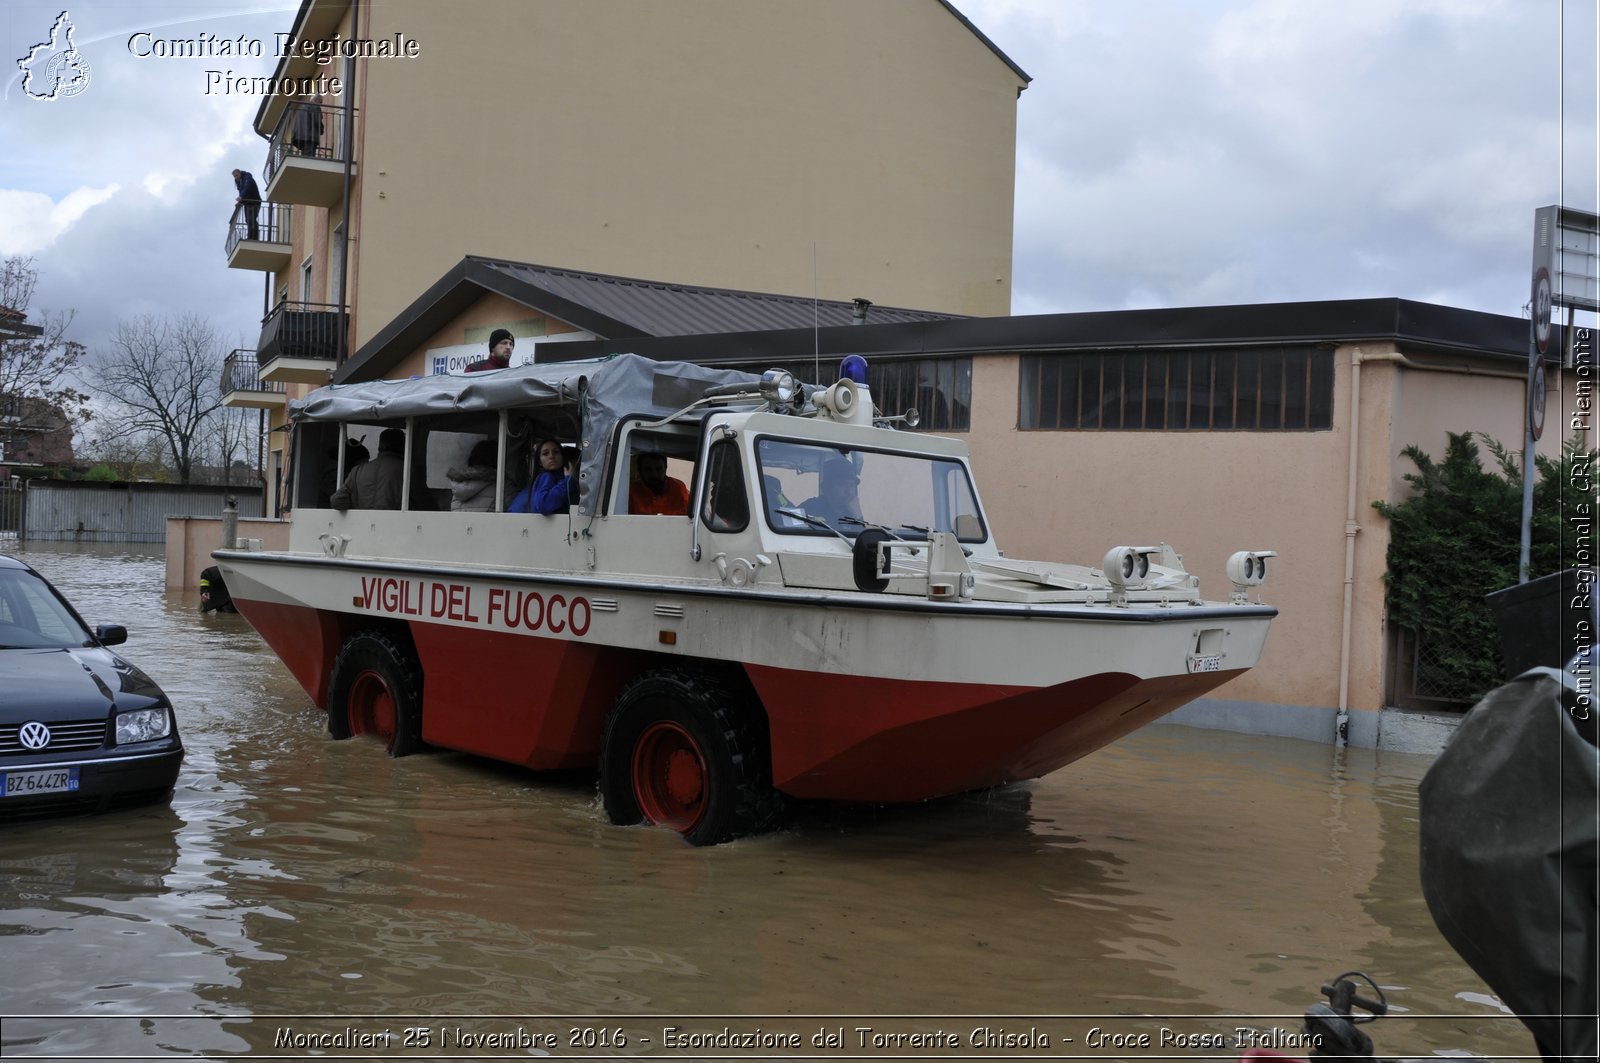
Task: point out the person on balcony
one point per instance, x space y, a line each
501 344
307 133
249 201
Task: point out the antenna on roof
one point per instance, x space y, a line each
816 322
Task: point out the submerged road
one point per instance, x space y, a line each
1179 893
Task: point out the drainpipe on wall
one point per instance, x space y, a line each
1351 526
1351 529
348 131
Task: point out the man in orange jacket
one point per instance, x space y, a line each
653 491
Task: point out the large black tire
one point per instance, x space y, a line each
689 751
376 690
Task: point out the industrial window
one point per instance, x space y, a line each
940 389
1253 389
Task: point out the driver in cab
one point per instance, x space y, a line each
836 495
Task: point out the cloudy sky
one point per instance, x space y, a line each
1170 152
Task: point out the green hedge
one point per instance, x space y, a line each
1458 537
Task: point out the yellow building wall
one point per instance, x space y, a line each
788 146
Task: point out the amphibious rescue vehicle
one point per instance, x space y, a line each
831 618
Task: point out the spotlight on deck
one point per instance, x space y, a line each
1248 568
1127 566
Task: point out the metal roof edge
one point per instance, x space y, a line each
976 32
466 282
280 70
1421 325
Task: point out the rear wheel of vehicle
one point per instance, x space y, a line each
685 750
376 690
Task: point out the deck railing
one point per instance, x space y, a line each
301 330
270 225
241 371
308 131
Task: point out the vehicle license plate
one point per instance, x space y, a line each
1205 664
44 781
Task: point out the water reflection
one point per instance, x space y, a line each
1176 872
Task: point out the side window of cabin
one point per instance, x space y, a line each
726 507
654 475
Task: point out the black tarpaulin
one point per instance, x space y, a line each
1509 851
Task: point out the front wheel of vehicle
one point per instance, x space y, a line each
376 690
684 750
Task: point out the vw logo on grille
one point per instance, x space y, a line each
34 735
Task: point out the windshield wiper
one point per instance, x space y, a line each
815 522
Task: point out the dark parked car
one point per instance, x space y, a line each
81 729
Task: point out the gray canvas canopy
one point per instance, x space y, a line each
604 391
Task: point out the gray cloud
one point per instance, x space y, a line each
1173 153
1169 153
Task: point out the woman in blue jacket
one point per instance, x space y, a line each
552 489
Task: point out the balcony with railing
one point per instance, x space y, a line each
300 342
259 238
242 385
307 155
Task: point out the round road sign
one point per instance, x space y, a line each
1543 298
1536 395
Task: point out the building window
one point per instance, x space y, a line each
1246 389
940 389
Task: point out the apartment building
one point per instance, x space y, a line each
821 147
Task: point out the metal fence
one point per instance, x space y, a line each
78 511
10 509
1419 677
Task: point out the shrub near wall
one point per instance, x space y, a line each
1458 537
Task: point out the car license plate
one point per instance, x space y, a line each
1205 664
44 781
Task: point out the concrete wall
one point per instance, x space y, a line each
190 541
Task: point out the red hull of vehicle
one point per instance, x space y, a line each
542 703
858 738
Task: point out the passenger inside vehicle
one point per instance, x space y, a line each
652 491
777 502
472 485
375 484
555 482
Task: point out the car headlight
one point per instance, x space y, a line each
145 725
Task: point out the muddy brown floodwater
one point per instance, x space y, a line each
303 896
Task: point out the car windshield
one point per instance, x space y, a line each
813 489
32 617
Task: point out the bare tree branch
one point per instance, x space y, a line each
164 372
34 366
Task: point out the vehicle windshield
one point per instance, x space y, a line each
32 617
814 489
